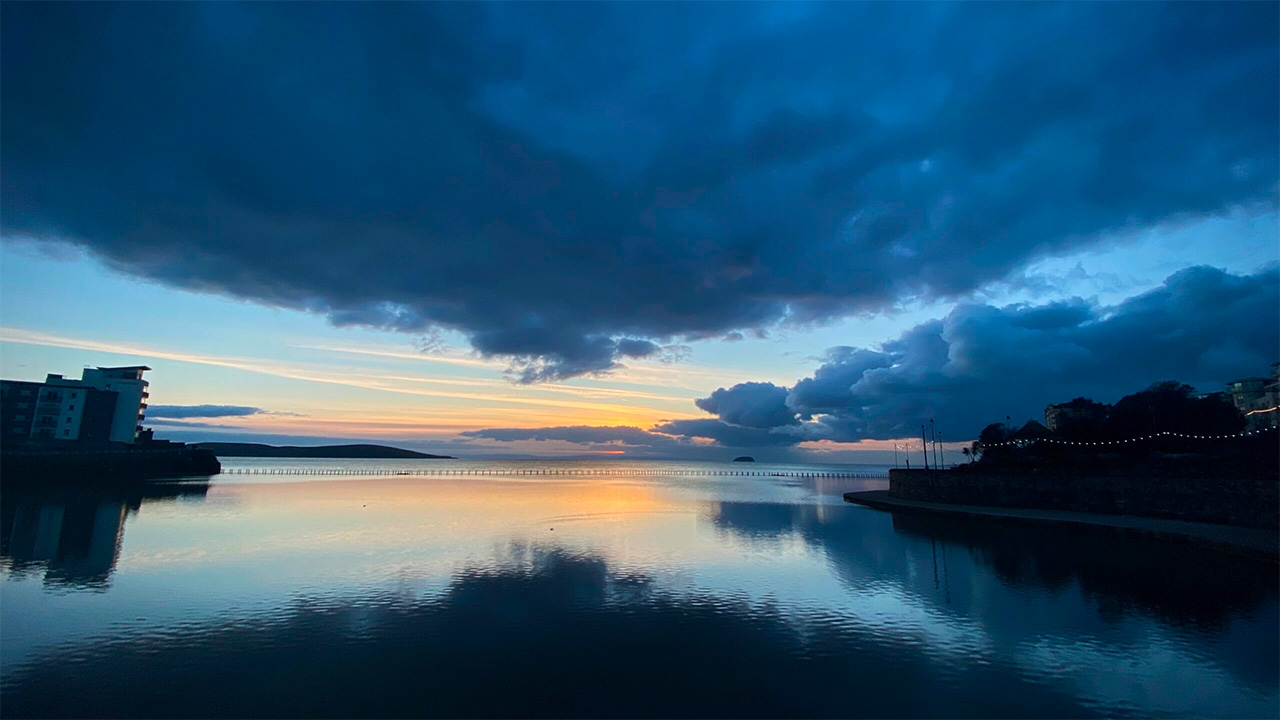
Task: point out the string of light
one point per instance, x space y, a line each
1166 433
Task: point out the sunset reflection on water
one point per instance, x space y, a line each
580 595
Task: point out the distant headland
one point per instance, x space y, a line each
381 452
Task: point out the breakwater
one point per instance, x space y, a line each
1248 502
554 471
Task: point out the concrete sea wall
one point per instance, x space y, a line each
106 465
1245 502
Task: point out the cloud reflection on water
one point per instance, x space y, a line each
650 597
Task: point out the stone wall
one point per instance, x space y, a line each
1251 502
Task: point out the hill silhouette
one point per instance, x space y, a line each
383 452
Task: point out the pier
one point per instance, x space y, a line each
584 472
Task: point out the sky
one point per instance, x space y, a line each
795 230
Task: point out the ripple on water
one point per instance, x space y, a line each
651 597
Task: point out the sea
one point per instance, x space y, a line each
604 588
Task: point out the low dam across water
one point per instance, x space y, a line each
553 471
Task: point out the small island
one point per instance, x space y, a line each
744 458
380 452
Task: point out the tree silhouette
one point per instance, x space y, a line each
1172 406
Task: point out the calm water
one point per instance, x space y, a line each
605 595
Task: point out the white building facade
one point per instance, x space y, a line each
131 400
60 406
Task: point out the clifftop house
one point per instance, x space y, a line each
1257 398
1080 410
107 404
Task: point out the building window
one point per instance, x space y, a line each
66 433
19 417
71 407
17 430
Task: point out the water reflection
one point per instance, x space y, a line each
1080 594
546 634
640 597
1180 583
73 534
1176 582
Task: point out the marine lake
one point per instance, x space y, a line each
621 589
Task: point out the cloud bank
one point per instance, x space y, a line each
201 411
666 173
580 434
982 363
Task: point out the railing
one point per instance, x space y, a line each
631 472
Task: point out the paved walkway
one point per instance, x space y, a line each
1255 539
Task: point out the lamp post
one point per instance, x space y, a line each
924 446
934 435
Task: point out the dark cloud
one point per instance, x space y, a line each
201 411
660 172
165 427
582 434
629 347
751 404
982 363
728 434
670 436
669 439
